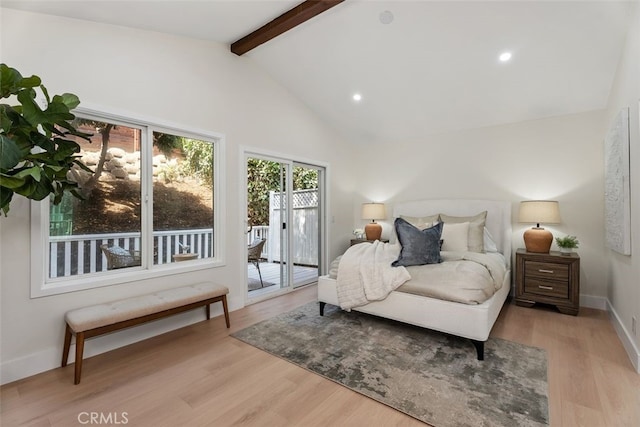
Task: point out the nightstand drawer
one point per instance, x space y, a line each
546 288
547 270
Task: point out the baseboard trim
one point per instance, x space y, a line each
627 341
27 366
591 301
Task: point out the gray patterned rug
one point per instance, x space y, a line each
430 376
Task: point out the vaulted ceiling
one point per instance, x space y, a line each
433 68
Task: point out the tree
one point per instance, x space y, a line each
104 129
37 154
198 160
263 176
166 142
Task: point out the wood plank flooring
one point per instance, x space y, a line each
199 376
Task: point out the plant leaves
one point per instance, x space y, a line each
30 109
5 121
11 81
10 153
36 154
9 181
33 172
5 199
68 99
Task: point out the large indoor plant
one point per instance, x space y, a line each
36 151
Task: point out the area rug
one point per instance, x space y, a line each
255 284
428 375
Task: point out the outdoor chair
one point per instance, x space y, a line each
118 257
254 250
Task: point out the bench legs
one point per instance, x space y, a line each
226 310
67 345
79 352
224 307
79 355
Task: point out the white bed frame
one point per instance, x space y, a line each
469 321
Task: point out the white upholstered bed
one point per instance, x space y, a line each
472 321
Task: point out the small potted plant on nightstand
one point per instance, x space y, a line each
567 244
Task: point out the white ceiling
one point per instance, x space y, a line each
433 69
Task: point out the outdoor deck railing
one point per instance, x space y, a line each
81 254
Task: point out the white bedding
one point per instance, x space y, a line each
465 277
365 274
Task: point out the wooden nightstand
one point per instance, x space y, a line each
548 278
356 241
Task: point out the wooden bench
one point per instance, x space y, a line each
88 322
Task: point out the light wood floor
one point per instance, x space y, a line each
199 375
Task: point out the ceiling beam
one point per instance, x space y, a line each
283 23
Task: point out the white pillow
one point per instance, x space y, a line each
489 243
476 225
455 236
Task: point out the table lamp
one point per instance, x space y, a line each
537 239
373 211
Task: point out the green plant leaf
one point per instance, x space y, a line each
30 109
34 172
5 121
40 190
9 181
70 100
11 81
57 112
10 153
5 200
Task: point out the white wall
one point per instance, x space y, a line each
190 82
558 158
623 290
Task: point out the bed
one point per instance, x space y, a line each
469 320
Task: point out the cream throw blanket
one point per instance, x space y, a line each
365 274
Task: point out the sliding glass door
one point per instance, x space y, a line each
284 224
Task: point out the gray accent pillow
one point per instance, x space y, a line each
476 228
419 247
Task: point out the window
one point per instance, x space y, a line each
149 207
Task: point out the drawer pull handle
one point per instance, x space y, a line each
546 271
549 288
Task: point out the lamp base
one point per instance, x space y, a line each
373 231
538 240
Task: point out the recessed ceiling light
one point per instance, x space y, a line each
357 97
505 56
386 17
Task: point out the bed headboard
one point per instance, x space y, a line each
498 215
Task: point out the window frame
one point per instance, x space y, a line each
42 285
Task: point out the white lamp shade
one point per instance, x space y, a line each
373 211
539 211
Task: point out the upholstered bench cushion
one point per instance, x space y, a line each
95 316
